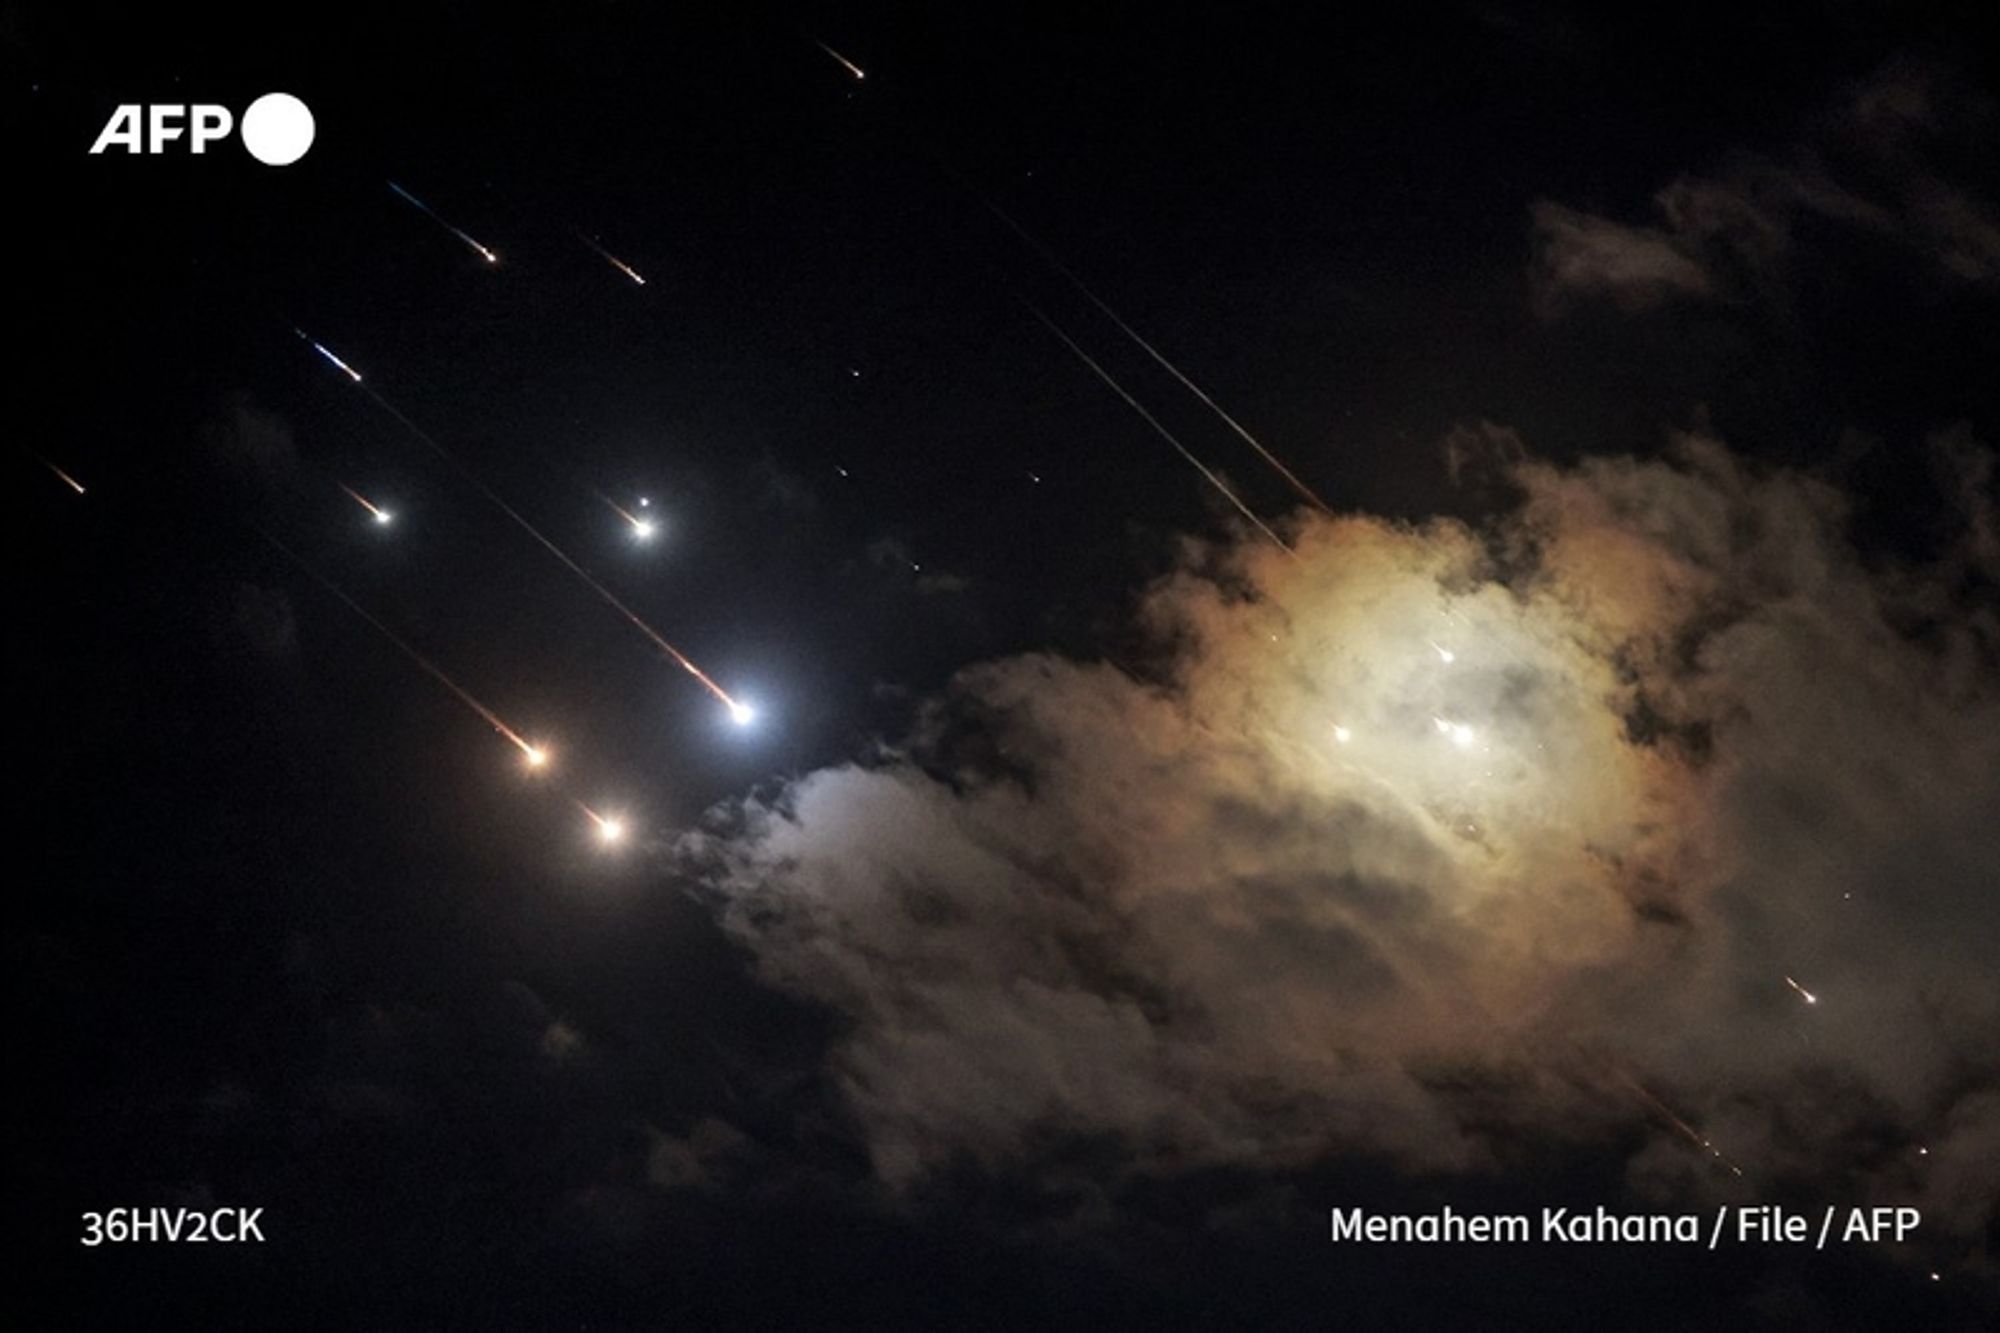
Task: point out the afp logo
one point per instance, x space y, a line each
277 128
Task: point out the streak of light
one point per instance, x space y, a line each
1304 491
642 528
612 259
335 361
1445 655
1686 1131
610 828
845 63
1803 993
1342 734
654 636
1179 448
381 515
431 213
533 754
61 475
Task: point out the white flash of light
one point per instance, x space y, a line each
345 369
1460 733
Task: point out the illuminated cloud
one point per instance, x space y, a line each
1680 721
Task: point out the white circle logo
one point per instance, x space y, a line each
277 129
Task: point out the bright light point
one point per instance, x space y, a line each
643 529
1461 734
384 516
1445 655
610 830
1923 1152
643 502
1342 734
742 714
536 756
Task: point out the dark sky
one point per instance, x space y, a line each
291 931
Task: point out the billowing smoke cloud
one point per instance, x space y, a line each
1436 840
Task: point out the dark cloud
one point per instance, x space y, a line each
251 446
1580 255
265 619
1889 163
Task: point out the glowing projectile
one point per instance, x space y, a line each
1803 993
610 828
1342 734
428 212
63 476
1207 474
335 361
612 259
381 516
642 528
1685 1130
741 714
535 755
845 63
1445 655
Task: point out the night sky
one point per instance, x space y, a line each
1585 800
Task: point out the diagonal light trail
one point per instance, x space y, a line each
1028 238
1207 473
534 754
